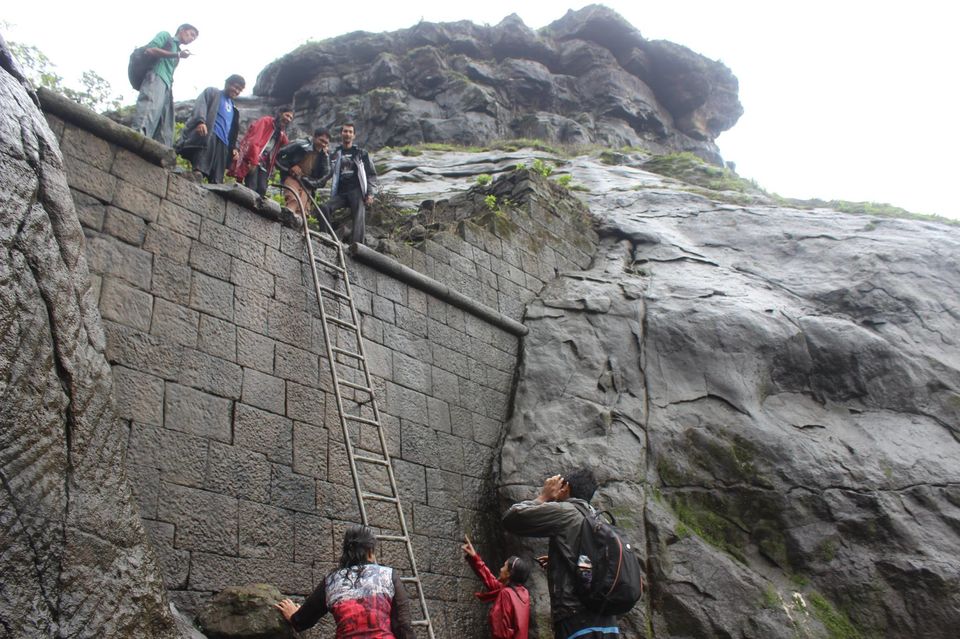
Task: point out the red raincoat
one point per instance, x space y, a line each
510 613
252 145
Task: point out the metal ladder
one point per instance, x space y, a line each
359 393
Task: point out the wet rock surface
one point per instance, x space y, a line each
771 396
74 558
589 77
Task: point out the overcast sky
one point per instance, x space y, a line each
843 99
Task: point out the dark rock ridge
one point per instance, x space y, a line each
589 77
75 562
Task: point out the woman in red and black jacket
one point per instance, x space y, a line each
510 613
367 600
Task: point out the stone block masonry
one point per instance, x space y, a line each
215 340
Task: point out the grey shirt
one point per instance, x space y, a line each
561 522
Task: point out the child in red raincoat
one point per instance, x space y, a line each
510 613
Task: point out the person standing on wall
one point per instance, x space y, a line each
153 117
258 150
209 148
354 178
304 166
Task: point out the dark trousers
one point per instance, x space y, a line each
354 200
218 159
585 625
257 180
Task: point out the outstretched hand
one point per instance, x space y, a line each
468 547
287 608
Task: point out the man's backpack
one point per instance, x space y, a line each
607 574
140 63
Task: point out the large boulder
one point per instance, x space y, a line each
245 612
73 554
591 67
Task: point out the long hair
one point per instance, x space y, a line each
358 542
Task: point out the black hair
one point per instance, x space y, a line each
236 78
187 25
582 483
358 542
321 131
284 109
348 124
519 570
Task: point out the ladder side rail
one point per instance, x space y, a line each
426 621
361 350
333 368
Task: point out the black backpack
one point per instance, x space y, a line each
608 578
140 63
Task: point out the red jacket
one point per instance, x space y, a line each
252 145
510 613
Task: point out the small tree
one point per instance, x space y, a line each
39 69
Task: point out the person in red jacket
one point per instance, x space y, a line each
510 613
258 150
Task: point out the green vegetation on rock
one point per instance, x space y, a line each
699 516
689 168
838 625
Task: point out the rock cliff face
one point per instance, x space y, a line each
589 77
770 395
773 399
75 562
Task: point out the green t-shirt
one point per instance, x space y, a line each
164 67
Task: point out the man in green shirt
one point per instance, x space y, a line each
154 115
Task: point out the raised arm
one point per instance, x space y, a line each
480 568
543 516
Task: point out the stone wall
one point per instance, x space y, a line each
216 345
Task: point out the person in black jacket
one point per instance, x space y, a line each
304 166
553 514
366 599
209 137
354 178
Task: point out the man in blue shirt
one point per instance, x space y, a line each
154 115
209 137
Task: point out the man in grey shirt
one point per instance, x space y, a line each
553 514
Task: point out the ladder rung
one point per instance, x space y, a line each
330 291
420 622
396 538
379 497
340 351
359 387
329 265
343 323
410 580
324 238
370 460
362 420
